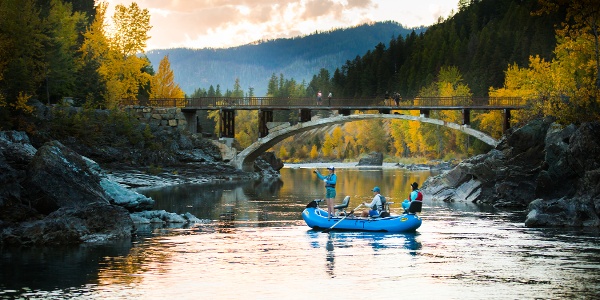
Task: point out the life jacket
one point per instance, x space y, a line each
380 207
419 196
331 185
382 199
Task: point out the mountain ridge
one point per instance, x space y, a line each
295 57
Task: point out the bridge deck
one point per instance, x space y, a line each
341 107
276 103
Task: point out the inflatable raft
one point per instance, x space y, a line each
317 218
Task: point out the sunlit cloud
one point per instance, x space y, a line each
226 23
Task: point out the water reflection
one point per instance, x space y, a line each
38 268
379 242
217 201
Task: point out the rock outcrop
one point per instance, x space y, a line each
551 170
372 159
52 196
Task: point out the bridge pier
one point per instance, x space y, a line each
506 121
227 123
305 115
424 113
192 120
466 116
264 116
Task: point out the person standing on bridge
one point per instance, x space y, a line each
319 98
329 98
330 181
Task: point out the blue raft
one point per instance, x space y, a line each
316 218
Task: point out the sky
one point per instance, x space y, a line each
229 23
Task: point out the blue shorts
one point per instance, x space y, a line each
330 193
373 213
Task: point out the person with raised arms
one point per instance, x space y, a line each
330 181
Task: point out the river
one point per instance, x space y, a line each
258 247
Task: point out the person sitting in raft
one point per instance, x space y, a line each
376 205
415 195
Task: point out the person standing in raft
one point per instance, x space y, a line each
330 181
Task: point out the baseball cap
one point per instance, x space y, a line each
376 189
331 168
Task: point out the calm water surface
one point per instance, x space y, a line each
258 247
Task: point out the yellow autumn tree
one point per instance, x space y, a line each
438 141
163 82
568 86
314 153
246 131
283 153
563 88
115 52
399 134
333 142
337 137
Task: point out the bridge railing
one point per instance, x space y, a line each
281 102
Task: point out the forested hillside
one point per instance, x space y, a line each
481 40
298 58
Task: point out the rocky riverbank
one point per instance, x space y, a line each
553 171
52 195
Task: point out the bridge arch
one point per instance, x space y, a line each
245 159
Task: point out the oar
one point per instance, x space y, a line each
338 222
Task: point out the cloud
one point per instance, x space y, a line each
226 23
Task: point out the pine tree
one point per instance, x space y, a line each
163 83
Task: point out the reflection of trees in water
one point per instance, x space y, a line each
74 265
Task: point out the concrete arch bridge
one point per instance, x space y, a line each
245 159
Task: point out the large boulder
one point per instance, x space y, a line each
562 212
16 147
275 163
94 223
53 196
372 159
58 177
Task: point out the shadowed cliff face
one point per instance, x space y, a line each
551 170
